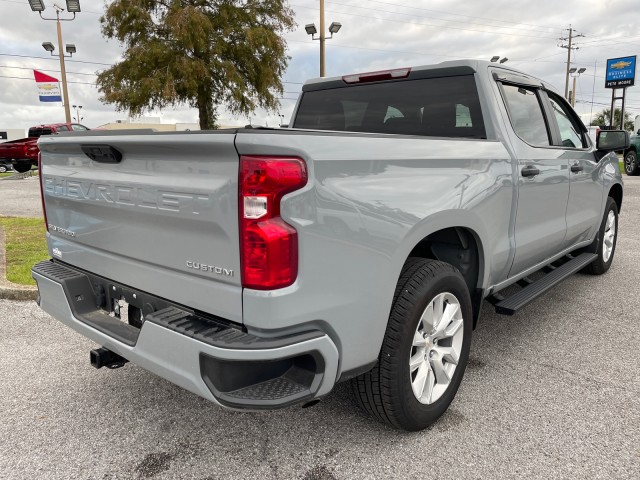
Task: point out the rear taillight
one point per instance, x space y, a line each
268 245
44 210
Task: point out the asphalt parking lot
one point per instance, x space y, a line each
553 392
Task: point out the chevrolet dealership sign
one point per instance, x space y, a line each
621 72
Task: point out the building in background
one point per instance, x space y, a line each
7 134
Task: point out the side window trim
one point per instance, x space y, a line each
554 128
583 131
537 91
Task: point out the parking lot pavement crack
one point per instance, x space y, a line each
614 385
265 445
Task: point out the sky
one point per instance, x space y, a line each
375 35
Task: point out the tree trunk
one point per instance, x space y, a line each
205 109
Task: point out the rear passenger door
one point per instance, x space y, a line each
543 177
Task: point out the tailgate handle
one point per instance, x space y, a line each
102 153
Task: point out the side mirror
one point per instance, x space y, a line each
610 140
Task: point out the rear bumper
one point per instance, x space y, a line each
206 356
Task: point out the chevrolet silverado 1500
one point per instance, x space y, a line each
258 267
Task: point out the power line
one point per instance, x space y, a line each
78 61
24 3
510 27
51 58
341 45
46 70
31 79
425 24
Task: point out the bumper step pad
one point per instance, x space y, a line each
275 389
219 333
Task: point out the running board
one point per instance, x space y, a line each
515 302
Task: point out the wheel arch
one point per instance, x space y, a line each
615 192
462 247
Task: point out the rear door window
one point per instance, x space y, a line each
525 113
436 107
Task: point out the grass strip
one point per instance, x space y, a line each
25 245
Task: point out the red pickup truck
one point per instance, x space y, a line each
23 154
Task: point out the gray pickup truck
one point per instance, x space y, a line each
259 267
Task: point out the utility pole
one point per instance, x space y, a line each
322 38
65 90
569 46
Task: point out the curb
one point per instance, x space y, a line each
9 290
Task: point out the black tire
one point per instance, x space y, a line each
631 167
22 167
3 168
385 392
600 265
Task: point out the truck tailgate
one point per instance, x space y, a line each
163 220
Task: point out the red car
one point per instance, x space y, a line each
23 153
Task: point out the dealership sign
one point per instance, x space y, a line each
48 87
621 72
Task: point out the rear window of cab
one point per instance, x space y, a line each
431 107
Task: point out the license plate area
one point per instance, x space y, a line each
127 305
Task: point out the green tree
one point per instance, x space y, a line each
602 119
204 53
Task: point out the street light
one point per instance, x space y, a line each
575 73
36 5
311 29
73 6
334 28
78 117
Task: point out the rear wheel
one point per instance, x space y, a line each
425 349
631 167
605 243
3 168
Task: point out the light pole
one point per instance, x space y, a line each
575 73
311 29
73 6
78 117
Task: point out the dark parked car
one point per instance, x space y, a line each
631 166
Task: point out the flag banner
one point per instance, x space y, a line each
48 87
